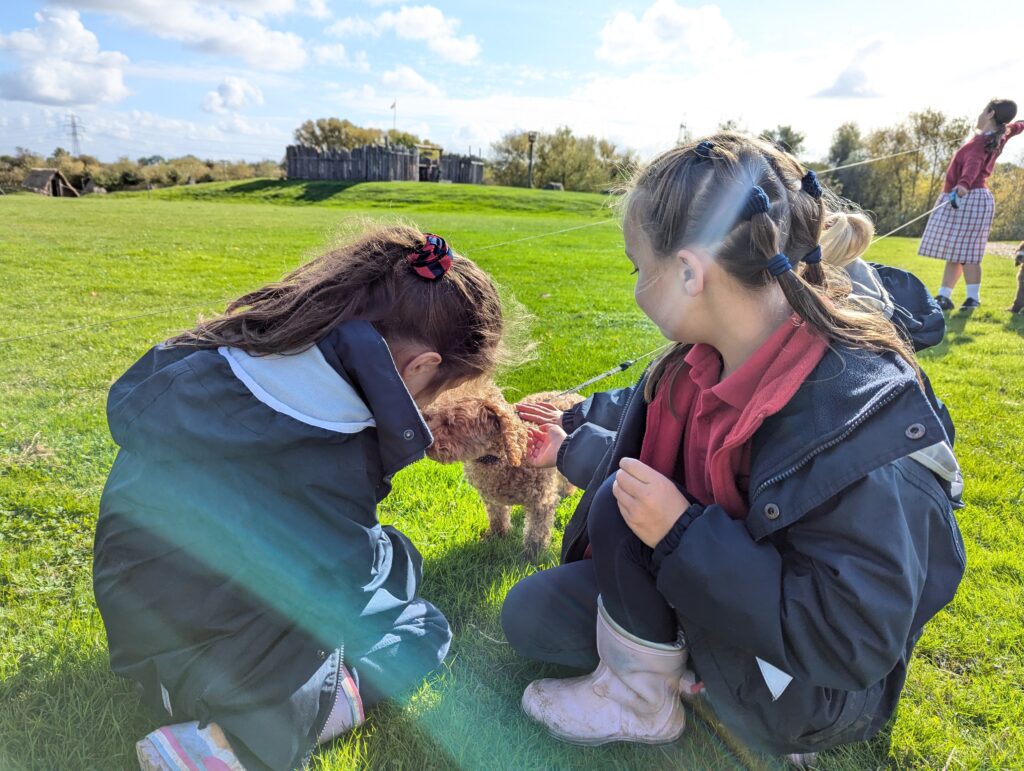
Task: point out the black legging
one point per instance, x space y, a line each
625 572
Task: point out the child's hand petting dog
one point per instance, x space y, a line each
649 501
540 413
542 445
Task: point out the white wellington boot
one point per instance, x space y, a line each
632 696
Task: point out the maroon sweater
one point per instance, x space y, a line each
972 165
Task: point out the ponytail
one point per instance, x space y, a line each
1003 111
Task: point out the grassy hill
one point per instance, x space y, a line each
393 196
150 263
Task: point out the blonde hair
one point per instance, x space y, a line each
694 196
847 235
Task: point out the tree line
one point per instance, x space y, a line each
128 174
905 184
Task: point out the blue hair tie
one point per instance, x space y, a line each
810 184
757 203
779 264
703 150
813 257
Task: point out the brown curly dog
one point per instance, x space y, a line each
479 428
1018 303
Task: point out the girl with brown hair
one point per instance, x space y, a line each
958 232
768 517
243 577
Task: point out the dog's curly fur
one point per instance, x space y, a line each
1018 302
479 428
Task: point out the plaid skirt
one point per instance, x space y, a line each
960 235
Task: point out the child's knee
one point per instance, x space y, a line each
605 524
517 620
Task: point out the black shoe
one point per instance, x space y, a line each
969 304
944 302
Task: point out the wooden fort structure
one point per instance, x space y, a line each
379 163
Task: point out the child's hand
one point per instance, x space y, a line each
649 501
543 444
961 191
540 413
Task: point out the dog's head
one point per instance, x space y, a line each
472 423
1020 254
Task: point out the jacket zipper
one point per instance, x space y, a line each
851 427
337 691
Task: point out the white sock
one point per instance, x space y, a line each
945 291
974 292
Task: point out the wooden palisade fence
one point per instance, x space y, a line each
375 163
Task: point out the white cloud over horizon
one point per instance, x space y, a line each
632 79
61 63
209 28
425 23
232 95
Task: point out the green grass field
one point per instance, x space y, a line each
164 257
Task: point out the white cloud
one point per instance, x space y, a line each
317 9
404 79
420 22
854 81
666 32
335 55
211 27
232 95
352 26
61 63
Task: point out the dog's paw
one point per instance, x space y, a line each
534 551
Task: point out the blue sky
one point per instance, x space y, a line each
233 78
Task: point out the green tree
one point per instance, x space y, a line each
510 159
786 137
327 134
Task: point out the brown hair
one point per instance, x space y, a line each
694 197
368 277
1004 111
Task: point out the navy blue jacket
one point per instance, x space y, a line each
238 543
849 547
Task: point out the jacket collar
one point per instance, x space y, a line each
358 353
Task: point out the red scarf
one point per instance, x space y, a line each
718 419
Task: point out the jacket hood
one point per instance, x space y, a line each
180 401
914 310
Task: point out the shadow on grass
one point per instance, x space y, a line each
69 711
472 713
956 334
311 191
1015 323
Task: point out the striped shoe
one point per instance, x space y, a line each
187 747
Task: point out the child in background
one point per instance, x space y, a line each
897 294
1018 301
758 505
958 232
242 574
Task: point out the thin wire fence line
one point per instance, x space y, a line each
911 222
164 311
71 330
887 157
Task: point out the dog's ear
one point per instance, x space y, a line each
513 431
